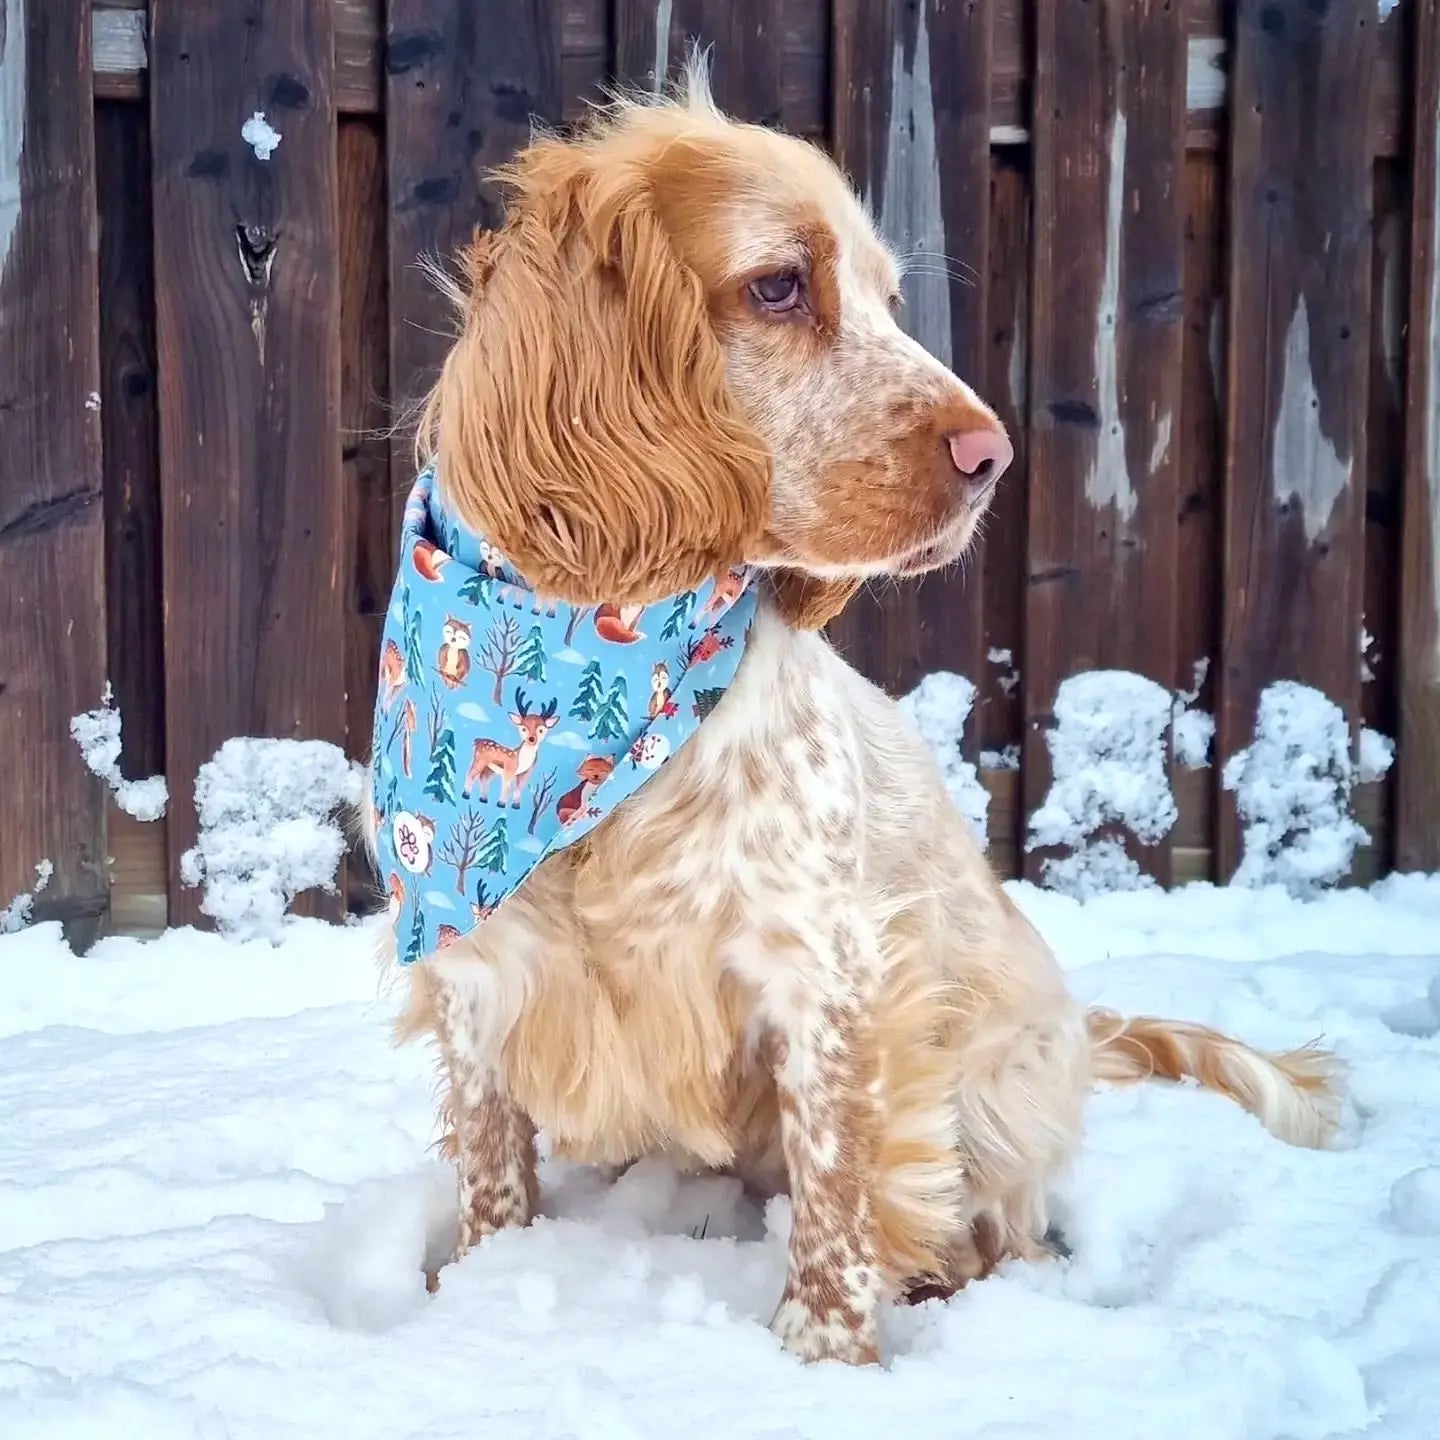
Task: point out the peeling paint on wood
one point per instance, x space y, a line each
12 121
661 66
1306 467
1108 482
1160 451
909 202
1205 73
119 41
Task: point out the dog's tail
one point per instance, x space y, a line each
1294 1095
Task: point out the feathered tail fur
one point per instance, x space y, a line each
1294 1095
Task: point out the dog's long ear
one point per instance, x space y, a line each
807 603
582 420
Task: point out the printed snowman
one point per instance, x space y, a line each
650 751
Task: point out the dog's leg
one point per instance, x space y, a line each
826 1069
491 1138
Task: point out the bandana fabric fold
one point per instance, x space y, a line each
508 725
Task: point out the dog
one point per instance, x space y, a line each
784 957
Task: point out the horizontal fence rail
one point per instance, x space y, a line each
1190 257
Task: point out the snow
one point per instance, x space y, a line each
268 829
16 914
218 1194
1377 754
260 135
1193 730
1007 758
1292 788
1005 659
97 733
1386 8
1108 759
939 707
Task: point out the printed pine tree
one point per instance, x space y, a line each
475 589
530 662
440 782
414 662
392 794
613 716
587 698
494 854
679 614
706 701
415 949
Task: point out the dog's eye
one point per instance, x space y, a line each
778 292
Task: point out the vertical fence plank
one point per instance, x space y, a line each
652 39
247 301
1106 333
133 579
364 385
52 598
1201 441
1417 815
462 84
912 128
1385 447
1001 550
1298 354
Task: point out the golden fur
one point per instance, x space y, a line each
784 956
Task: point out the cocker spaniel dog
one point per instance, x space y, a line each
779 954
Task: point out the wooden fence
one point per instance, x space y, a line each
1205 300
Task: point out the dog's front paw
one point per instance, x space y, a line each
838 1333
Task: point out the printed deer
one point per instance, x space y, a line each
512 763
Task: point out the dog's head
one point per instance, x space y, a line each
681 353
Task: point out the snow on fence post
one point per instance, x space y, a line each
1293 785
1109 753
52 550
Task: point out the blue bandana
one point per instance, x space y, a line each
507 725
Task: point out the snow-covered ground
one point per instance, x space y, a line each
216 1192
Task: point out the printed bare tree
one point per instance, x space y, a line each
577 614
502 645
539 800
461 847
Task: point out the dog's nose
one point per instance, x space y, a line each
981 457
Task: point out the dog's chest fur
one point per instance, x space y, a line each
622 995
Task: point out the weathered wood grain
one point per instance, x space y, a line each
1001 548
911 128
462 88
52 542
133 579
358 80
1106 339
654 37
1201 438
370 539
1298 355
1417 818
248 311
1385 448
